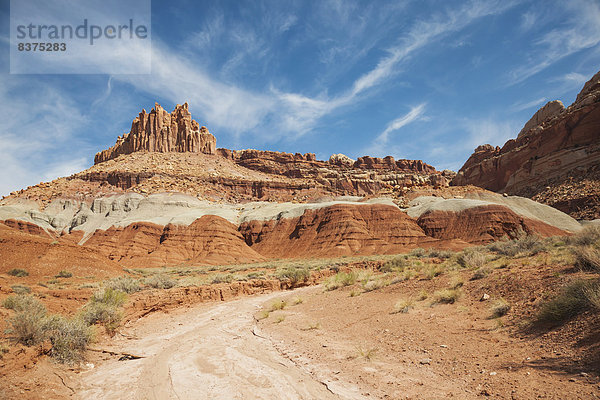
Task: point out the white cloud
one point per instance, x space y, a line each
524 106
380 145
581 31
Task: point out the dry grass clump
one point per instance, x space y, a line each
123 284
587 257
18 272
278 305
587 236
366 353
296 276
446 296
499 308
403 306
160 281
472 259
341 279
571 300
436 253
395 264
69 338
480 273
64 274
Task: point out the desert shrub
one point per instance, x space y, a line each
367 353
436 253
123 284
23 303
69 338
395 264
297 300
279 319
418 252
592 294
480 273
375 284
587 236
256 275
569 302
64 274
223 278
295 275
456 281
341 279
403 306
160 281
107 315
423 295
109 296
446 296
471 259
18 272
432 271
587 257
28 324
527 245
499 308
20 289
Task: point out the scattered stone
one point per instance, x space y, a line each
425 361
484 297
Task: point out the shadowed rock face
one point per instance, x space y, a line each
555 145
162 132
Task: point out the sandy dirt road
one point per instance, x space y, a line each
207 352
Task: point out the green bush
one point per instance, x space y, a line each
18 272
109 296
395 264
341 279
23 302
160 281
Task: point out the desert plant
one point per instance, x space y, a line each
446 296
297 300
480 273
18 272
472 259
160 281
279 319
375 284
341 279
432 271
20 289
366 353
592 294
589 235
28 324
278 305
69 338
109 296
107 315
567 303
499 308
526 245
123 284
395 264
264 314
456 281
295 275
223 278
587 257
423 295
312 326
3 350
23 303
437 253
418 252
403 306
64 274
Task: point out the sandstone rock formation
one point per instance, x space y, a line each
556 145
162 132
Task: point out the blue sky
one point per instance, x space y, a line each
426 80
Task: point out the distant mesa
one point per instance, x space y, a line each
159 131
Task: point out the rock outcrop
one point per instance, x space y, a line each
162 132
555 145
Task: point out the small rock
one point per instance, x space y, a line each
425 361
484 297
443 346
584 374
493 373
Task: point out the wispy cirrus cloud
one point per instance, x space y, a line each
380 146
520 106
581 30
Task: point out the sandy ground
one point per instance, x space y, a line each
205 352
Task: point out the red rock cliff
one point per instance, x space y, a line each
162 132
557 145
